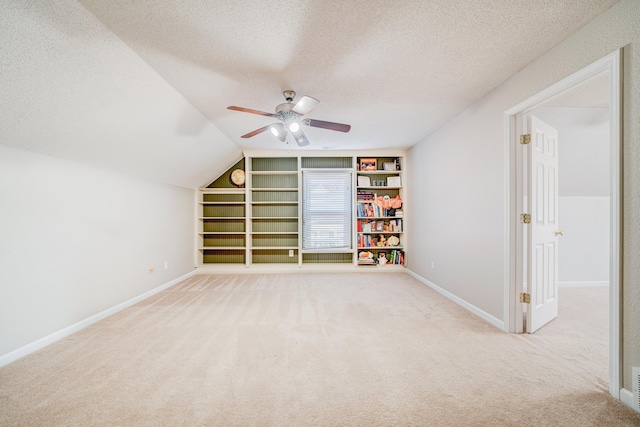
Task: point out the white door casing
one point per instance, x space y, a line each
542 259
515 173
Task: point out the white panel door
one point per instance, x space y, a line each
542 257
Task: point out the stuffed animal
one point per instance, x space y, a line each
382 258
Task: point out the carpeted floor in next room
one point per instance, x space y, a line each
318 349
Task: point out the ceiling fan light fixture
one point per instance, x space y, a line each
278 131
294 126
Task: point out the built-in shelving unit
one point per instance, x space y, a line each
222 235
274 210
379 211
260 221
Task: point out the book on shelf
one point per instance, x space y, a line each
365 196
396 257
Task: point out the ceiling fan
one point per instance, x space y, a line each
291 117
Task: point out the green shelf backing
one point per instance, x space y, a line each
273 256
223 198
227 225
274 240
275 225
224 256
275 181
235 240
326 162
327 258
223 210
224 180
275 196
274 210
269 164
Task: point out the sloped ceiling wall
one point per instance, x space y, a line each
72 89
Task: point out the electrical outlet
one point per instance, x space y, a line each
166 265
433 264
291 252
151 270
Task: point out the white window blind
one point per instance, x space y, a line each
326 209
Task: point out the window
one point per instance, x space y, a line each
326 209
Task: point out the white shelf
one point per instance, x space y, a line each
376 187
222 217
223 248
223 190
275 203
380 217
261 248
382 248
274 232
275 189
273 217
274 172
380 232
223 203
222 232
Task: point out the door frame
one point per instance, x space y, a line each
513 244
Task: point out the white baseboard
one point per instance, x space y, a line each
472 308
582 284
626 397
295 268
62 333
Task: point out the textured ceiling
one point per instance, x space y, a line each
395 70
160 71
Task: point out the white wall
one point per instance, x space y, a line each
583 158
76 240
583 251
458 178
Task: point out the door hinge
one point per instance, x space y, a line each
525 298
525 218
525 139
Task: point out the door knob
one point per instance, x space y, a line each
559 233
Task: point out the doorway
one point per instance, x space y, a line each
609 67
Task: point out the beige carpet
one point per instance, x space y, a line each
317 349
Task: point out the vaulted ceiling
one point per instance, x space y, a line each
143 86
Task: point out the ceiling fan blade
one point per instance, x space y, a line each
301 138
328 125
249 110
305 105
255 132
